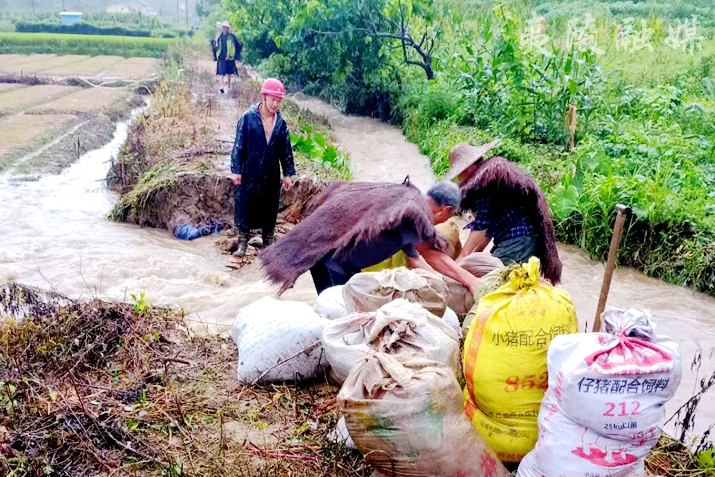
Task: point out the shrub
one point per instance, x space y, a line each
79 28
27 43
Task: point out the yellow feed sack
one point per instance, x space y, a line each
505 359
396 261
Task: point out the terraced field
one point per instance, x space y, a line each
22 97
133 68
17 133
84 101
38 65
90 67
48 117
11 60
5 87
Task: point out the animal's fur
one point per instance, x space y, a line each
346 214
498 177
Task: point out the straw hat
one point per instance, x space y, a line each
226 24
463 155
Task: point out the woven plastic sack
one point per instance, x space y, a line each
459 298
278 341
398 327
604 409
449 230
489 283
505 359
450 319
367 292
404 414
330 304
480 263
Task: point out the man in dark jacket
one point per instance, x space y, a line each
227 50
261 149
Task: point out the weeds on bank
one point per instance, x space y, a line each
112 389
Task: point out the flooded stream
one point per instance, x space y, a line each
56 236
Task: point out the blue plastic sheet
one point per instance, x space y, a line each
189 232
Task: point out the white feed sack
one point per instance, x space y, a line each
604 408
330 304
398 327
278 341
451 319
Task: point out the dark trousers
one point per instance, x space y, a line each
324 277
255 211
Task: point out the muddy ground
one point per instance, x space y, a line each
119 389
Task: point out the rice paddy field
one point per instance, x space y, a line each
84 101
17 133
47 118
63 43
64 66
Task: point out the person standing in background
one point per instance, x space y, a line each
261 149
227 50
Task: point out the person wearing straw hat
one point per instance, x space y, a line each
509 209
353 225
261 150
227 50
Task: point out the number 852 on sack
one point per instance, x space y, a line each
527 382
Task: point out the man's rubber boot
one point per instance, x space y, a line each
242 246
268 239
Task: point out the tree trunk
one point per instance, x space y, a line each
428 69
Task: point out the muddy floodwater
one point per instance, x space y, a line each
56 236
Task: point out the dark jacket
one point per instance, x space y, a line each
259 163
223 44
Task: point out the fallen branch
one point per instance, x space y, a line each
261 376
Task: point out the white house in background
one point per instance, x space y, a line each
70 18
130 6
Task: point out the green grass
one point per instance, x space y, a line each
645 138
27 43
662 66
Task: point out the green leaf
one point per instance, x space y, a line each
330 154
707 459
320 139
564 201
597 162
